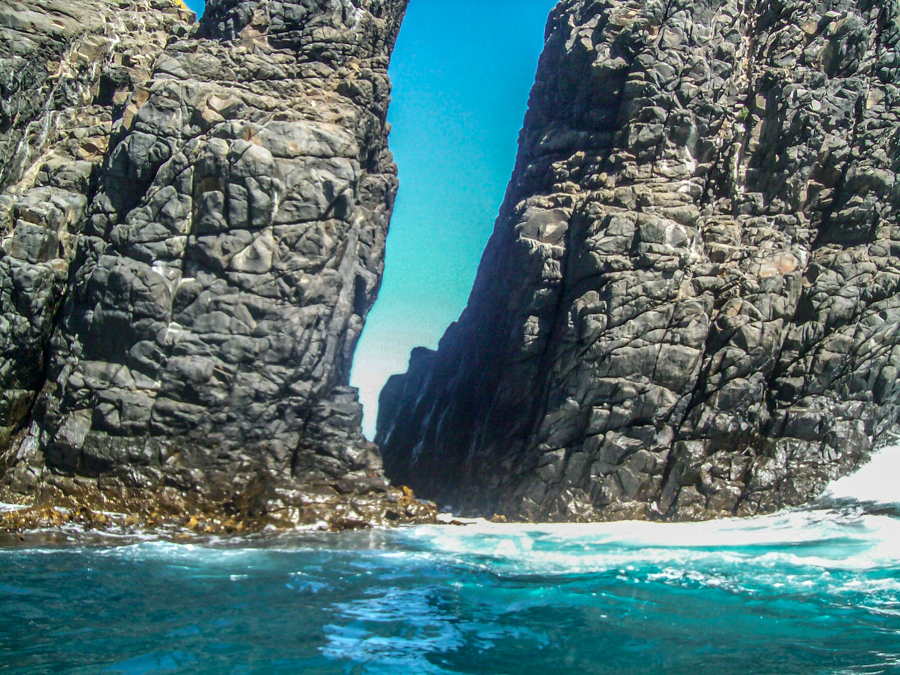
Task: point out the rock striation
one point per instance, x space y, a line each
193 220
690 304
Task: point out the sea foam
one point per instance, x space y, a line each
877 482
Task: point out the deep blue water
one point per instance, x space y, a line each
808 591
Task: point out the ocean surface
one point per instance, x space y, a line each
814 590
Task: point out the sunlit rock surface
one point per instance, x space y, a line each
690 304
194 220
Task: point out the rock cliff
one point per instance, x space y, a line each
193 220
690 304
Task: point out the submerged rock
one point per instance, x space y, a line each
194 219
690 304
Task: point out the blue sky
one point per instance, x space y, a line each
462 71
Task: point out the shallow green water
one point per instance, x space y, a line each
810 591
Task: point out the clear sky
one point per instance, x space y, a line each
462 71
196 5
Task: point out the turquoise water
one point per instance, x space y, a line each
808 591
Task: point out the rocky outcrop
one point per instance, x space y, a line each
690 304
66 70
195 219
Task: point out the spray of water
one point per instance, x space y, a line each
877 482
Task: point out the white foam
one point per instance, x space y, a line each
802 551
790 549
878 481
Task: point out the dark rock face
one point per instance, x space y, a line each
195 220
66 72
690 304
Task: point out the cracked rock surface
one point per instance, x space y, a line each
193 222
690 304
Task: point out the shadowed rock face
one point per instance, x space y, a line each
195 219
690 304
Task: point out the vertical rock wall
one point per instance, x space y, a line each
690 304
67 70
217 260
